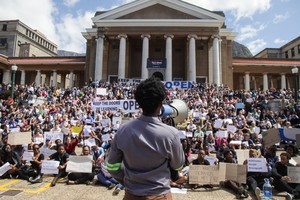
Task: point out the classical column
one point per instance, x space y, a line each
216 60
247 81
220 61
71 83
283 81
54 79
192 57
265 82
99 58
145 55
38 77
169 57
6 76
23 74
122 55
63 80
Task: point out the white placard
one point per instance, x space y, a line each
87 130
242 155
257 165
129 106
90 142
208 132
182 134
73 122
231 128
50 167
218 123
222 134
19 138
52 136
294 174
210 159
106 137
47 152
4 168
178 190
116 119
189 134
14 130
101 91
235 142
211 148
27 156
256 129
80 164
228 121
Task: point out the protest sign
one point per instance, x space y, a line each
116 119
87 130
208 132
203 174
90 142
127 106
178 84
19 138
257 165
76 129
242 155
294 174
218 123
15 130
189 134
231 128
105 137
271 137
222 134
50 167
27 156
47 152
4 168
211 159
80 164
233 172
52 136
182 134
101 91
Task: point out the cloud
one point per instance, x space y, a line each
238 8
256 46
32 14
70 29
279 41
280 18
70 3
249 31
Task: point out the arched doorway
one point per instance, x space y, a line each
158 75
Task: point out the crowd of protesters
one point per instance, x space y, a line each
41 109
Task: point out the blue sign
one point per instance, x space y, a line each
178 84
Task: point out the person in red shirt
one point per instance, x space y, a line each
70 145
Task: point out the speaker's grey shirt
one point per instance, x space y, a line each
146 148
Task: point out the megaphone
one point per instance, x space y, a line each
178 110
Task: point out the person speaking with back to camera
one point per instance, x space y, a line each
147 147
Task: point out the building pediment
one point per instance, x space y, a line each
150 11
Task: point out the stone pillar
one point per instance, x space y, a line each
54 79
247 81
23 74
122 55
216 60
169 57
38 77
99 58
6 76
145 55
63 80
220 61
265 82
283 81
192 57
71 84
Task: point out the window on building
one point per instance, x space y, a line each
3 42
293 52
4 27
299 49
286 54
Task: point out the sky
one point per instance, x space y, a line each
259 24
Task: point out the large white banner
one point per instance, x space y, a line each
19 138
114 105
80 164
52 136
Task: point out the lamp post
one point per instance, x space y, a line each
295 74
14 68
